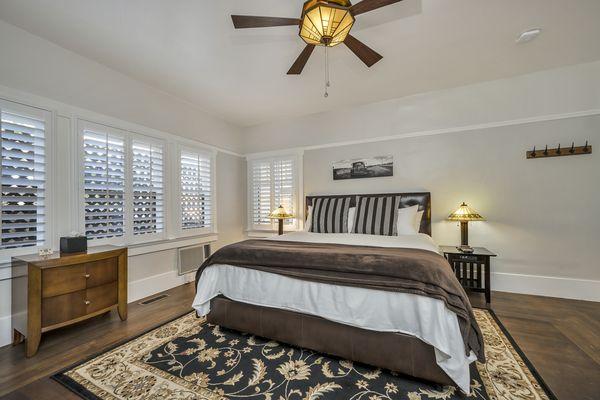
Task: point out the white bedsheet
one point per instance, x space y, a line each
420 316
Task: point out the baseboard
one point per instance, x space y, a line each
5 330
154 284
567 288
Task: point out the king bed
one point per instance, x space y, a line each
357 283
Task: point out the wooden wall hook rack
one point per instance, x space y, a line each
559 152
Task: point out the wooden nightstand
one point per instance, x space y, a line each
63 289
471 269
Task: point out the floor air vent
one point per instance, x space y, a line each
154 299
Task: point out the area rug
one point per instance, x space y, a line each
191 359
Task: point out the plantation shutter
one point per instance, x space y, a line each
147 182
273 183
283 186
196 190
104 184
23 170
261 192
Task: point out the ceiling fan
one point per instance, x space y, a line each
322 23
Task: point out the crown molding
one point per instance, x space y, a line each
456 129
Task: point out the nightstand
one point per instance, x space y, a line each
471 269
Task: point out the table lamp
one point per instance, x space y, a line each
280 214
464 214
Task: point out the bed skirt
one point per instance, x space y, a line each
395 351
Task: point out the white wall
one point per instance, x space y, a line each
547 93
38 73
35 65
542 215
468 144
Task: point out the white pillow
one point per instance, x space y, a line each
418 219
406 220
351 215
308 219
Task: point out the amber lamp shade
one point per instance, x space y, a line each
280 214
464 214
326 23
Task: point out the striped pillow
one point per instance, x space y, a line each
330 214
377 215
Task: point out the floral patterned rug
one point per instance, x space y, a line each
191 359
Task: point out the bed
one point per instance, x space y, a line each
403 331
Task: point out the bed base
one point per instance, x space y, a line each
395 351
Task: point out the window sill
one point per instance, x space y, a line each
265 233
261 234
169 244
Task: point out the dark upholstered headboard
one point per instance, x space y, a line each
423 200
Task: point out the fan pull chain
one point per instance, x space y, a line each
327 83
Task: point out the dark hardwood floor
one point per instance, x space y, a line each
560 337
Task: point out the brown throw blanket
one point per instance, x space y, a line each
403 270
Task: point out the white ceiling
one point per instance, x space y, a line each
190 49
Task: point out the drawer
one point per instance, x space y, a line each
63 308
61 280
467 258
101 272
100 297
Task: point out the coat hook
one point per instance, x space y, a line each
546 151
585 149
533 152
572 148
558 150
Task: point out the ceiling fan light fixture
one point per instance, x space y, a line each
326 22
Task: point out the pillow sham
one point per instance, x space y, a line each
308 219
377 215
406 220
418 220
351 216
330 215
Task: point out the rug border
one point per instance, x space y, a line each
82 392
525 359
77 388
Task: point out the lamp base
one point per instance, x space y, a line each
281 227
464 233
465 249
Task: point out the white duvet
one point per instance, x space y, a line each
420 316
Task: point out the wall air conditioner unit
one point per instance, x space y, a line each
190 258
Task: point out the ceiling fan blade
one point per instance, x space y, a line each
362 51
249 21
370 5
301 61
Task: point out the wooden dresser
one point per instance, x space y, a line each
60 290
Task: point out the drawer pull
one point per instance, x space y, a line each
87 276
87 302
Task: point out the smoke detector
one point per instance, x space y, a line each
529 35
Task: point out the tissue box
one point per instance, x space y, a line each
73 244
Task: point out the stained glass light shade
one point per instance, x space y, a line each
465 213
326 23
280 213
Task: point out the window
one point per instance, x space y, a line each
196 196
147 182
23 170
103 183
272 182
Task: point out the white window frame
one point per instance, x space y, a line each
49 121
270 157
176 181
128 238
